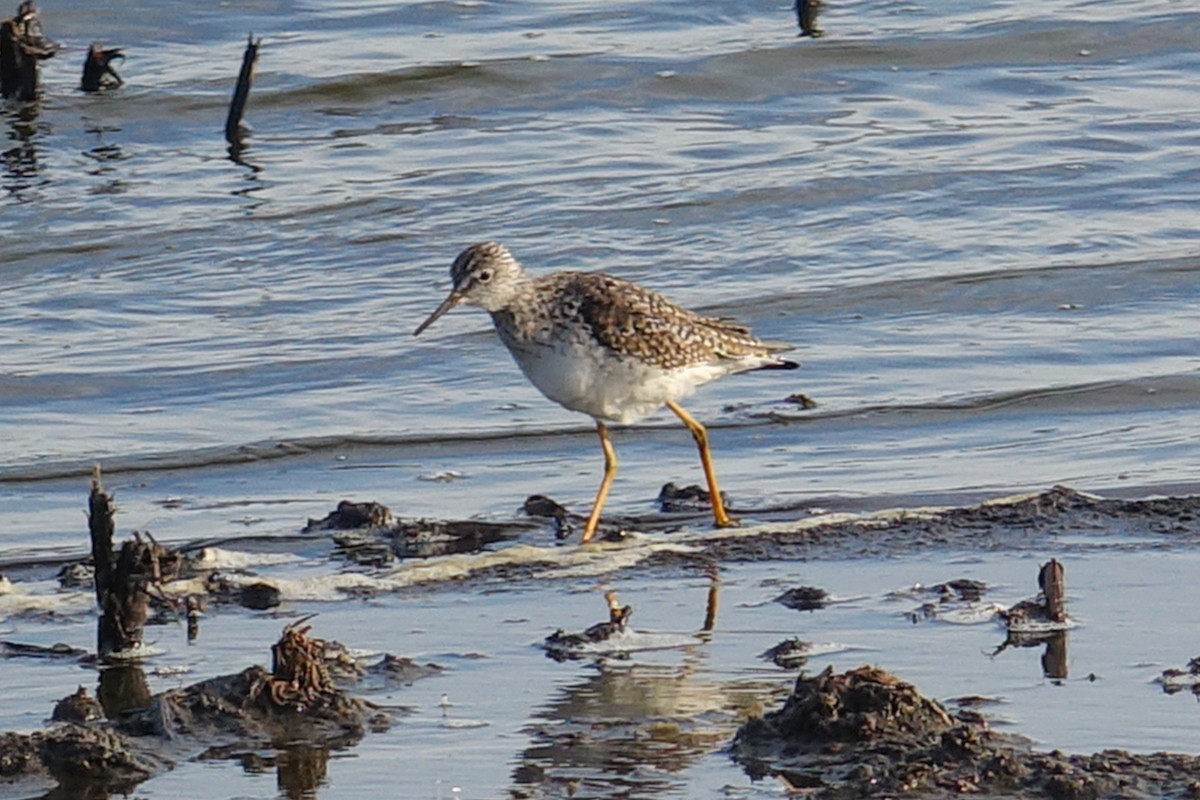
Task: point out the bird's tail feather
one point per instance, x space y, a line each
781 364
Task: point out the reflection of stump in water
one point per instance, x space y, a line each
714 597
1054 659
22 45
301 769
123 580
122 688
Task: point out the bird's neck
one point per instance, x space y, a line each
518 318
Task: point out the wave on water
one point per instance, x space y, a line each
1154 393
749 68
1138 394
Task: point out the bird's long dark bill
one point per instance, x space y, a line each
450 302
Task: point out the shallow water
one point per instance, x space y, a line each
976 222
501 704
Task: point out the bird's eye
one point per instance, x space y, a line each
485 276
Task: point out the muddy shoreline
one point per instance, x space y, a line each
112 748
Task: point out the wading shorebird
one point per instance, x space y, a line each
606 347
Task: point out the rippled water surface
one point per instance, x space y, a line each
977 222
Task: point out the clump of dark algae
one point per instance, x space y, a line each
366 533
296 700
295 706
789 654
866 733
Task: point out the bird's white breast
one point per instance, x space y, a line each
593 381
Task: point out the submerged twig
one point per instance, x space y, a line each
234 130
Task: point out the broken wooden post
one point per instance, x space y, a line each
234 130
98 71
123 609
806 17
1053 586
22 45
122 579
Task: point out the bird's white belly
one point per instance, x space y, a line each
607 388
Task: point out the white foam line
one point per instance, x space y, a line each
222 558
588 560
59 602
562 562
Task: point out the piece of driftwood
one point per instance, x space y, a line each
22 45
123 579
98 71
234 130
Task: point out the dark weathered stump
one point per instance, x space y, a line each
234 130
1051 582
22 45
806 17
98 71
122 579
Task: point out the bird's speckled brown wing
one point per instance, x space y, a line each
640 323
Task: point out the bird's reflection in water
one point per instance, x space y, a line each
629 730
631 726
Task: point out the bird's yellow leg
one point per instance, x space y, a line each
610 471
721 519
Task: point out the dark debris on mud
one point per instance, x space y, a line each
297 702
1027 523
1008 526
1023 524
866 733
